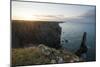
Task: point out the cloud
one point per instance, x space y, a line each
87 17
90 14
49 17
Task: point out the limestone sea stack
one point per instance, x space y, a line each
83 47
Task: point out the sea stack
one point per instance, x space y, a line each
83 47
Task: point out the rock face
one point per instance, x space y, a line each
29 33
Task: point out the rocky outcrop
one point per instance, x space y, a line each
29 33
42 54
58 56
83 47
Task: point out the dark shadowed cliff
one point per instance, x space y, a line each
30 33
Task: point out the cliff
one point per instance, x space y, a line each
32 33
38 42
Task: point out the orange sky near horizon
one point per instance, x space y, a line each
44 11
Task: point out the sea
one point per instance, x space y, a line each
71 38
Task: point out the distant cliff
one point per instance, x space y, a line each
30 33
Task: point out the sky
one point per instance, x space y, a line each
48 11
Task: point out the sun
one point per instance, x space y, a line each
23 16
27 17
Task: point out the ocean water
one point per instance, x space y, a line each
71 37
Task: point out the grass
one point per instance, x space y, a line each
27 56
34 56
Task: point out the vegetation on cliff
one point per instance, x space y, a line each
42 55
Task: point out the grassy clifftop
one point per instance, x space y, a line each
42 55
